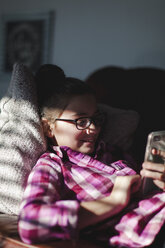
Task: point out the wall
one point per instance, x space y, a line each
90 34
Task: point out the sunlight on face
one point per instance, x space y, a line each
66 134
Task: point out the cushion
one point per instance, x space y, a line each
21 137
120 126
22 140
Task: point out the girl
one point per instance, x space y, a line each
79 181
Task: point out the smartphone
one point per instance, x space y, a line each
156 140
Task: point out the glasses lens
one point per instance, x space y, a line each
83 123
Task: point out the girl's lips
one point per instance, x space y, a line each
91 140
88 140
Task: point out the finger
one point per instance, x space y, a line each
158 152
154 166
160 184
153 174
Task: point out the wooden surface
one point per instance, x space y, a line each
7 242
9 237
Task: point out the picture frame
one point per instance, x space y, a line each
26 38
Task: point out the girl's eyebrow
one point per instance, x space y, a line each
79 114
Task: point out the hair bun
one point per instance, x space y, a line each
48 78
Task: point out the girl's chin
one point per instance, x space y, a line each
87 149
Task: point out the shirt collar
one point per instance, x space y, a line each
61 150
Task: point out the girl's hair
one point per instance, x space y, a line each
55 90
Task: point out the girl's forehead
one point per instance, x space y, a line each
83 104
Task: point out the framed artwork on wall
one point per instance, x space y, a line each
26 38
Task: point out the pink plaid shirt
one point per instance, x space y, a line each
63 178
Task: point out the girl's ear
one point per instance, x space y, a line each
46 128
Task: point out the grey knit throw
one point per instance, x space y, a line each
21 138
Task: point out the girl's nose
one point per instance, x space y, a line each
92 129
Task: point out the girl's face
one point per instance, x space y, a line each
66 133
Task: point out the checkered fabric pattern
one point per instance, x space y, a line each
60 181
139 227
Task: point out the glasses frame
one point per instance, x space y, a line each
91 120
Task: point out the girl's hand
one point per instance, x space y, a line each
156 171
123 188
92 212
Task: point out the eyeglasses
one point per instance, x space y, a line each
84 122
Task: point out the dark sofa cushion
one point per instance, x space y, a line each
139 89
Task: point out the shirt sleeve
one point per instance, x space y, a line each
43 213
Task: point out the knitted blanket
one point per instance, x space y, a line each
21 138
